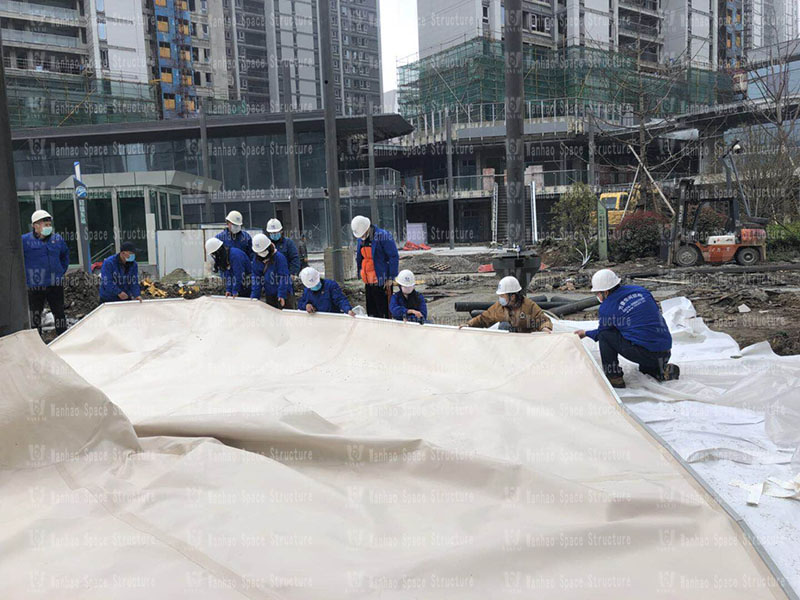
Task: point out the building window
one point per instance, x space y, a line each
100 5
101 31
104 58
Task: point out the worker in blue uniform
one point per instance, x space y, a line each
631 325
232 265
289 250
408 304
377 261
322 295
119 276
233 236
270 273
46 261
284 245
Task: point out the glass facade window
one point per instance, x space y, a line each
63 211
27 206
133 225
101 228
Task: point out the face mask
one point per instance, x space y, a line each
131 257
503 301
600 298
263 254
407 289
47 231
236 228
274 236
317 287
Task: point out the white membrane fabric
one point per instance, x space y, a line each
355 458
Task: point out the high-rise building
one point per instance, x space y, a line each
186 53
175 55
656 31
769 22
262 34
61 64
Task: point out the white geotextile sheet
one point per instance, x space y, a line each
383 460
734 416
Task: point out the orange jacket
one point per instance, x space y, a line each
368 274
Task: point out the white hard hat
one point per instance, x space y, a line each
261 243
274 226
406 278
508 285
213 244
235 217
309 276
39 215
604 280
360 225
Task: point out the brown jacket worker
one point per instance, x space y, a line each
522 314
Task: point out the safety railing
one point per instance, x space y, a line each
41 11
638 28
651 5
384 177
32 37
461 115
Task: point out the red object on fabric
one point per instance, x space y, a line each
486 268
97 266
413 246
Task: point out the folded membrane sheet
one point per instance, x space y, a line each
352 458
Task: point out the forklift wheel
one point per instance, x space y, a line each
687 256
747 256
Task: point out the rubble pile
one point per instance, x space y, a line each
81 293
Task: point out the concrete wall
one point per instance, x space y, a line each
445 23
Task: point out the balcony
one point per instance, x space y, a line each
23 10
649 6
38 39
58 67
633 29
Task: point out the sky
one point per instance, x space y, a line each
399 37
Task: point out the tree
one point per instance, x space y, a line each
574 216
769 158
650 92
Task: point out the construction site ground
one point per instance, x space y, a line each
763 305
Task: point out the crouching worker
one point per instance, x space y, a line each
322 295
119 277
232 265
408 304
520 313
270 273
631 325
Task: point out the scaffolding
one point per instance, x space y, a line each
40 101
472 74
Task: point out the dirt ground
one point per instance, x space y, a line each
751 307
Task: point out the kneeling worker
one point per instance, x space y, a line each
119 277
521 313
270 273
408 304
322 295
631 324
232 265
